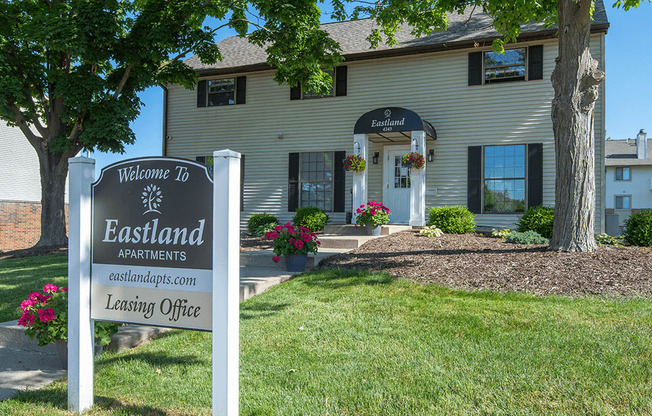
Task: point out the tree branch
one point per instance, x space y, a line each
22 124
123 81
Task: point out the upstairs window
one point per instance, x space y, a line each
623 174
339 88
508 66
221 91
331 93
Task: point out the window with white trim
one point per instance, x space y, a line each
316 180
221 91
331 93
508 66
504 179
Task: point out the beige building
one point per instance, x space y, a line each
481 121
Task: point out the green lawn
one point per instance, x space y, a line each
351 343
20 277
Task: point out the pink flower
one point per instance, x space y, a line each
46 315
25 304
273 235
291 240
268 235
63 289
358 210
50 288
278 228
26 319
373 211
38 297
276 259
362 206
298 244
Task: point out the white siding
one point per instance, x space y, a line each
432 85
19 168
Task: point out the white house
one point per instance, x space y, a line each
481 120
628 176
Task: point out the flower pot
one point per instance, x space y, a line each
62 351
296 262
373 230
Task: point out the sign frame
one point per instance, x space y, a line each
225 283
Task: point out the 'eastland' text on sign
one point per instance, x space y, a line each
152 243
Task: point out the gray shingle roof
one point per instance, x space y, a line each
463 29
623 153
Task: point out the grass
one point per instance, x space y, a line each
20 277
352 343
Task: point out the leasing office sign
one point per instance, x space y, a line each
152 243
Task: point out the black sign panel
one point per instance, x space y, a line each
392 119
153 212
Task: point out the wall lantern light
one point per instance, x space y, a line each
431 155
356 148
281 136
374 159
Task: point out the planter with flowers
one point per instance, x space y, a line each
414 161
45 315
294 243
354 163
372 216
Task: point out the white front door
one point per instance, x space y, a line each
396 195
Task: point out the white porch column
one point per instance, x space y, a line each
360 146
418 180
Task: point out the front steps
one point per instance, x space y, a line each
351 237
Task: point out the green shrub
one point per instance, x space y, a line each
608 240
312 218
258 220
527 237
638 229
501 233
452 220
265 228
538 219
431 231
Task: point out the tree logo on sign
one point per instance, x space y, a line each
152 198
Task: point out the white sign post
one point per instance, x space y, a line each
155 241
80 326
226 282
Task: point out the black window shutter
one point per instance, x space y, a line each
340 81
474 177
475 68
201 159
242 181
201 94
241 90
293 182
535 62
339 185
534 174
295 93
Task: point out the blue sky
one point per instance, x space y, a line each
628 87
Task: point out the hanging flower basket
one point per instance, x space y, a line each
414 160
354 163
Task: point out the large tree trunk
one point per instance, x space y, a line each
576 80
54 169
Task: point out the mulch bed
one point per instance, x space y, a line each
475 262
249 243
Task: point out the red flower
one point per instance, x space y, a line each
298 244
46 315
25 304
276 259
50 288
373 211
26 319
63 289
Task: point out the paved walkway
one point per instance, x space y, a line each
25 366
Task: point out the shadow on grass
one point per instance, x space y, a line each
158 358
255 310
108 403
329 278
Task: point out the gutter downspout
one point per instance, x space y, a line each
164 139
